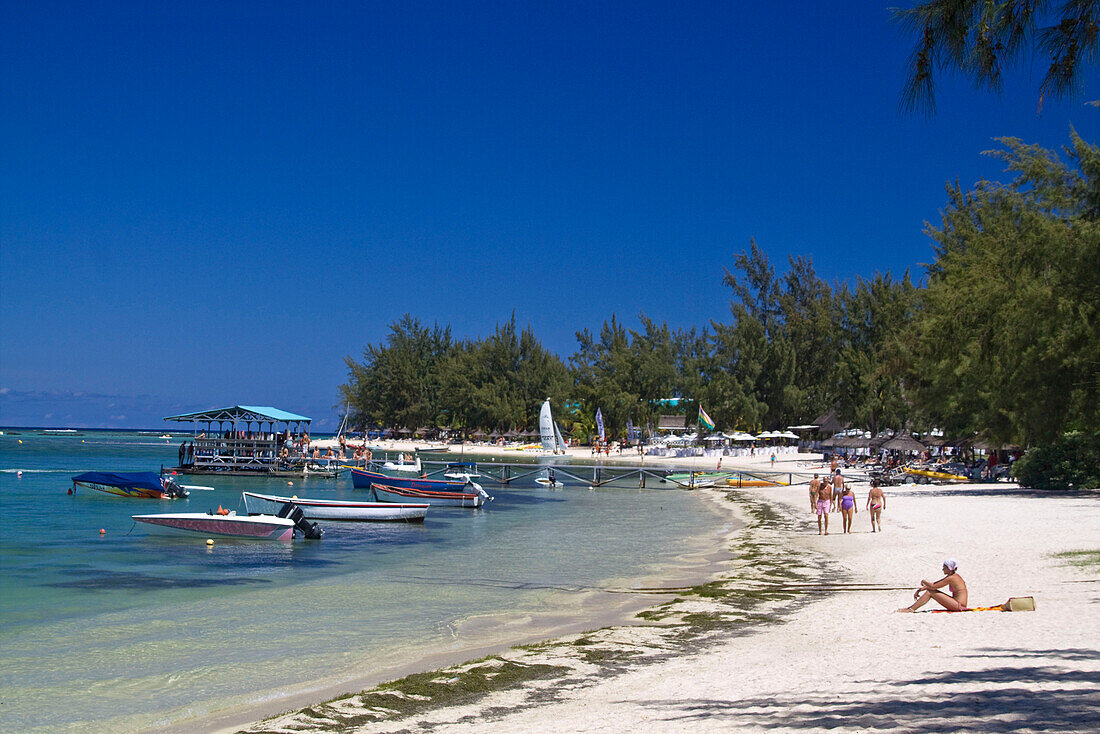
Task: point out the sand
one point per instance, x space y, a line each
818 645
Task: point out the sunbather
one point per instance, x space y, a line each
956 602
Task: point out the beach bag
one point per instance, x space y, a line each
1019 604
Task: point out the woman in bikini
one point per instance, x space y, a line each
956 602
848 508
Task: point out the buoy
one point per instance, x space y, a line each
290 484
20 440
102 531
19 473
294 497
210 541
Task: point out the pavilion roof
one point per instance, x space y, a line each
234 413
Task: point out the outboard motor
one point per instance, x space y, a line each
174 490
309 530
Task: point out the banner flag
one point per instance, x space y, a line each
599 423
705 419
629 430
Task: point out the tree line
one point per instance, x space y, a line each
999 338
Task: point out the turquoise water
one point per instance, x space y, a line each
127 631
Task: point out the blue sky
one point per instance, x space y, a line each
214 202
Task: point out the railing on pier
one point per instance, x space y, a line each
235 454
598 475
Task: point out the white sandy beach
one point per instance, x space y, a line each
834 654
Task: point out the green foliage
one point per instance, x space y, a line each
1006 341
1002 341
1071 461
979 38
420 377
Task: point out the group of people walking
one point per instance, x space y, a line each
832 494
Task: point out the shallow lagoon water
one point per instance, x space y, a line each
128 631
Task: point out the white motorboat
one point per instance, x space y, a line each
345 510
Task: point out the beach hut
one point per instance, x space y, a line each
903 442
671 423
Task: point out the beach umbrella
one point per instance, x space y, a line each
788 434
903 442
715 437
478 434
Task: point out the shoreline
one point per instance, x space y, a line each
824 607
614 603
677 616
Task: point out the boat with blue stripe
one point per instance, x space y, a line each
366 479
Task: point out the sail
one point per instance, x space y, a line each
559 442
546 427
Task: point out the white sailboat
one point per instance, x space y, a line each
549 433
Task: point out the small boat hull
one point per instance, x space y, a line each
140 492
940 475
699 479
384 493
253 527
342 510
365 479
145 485
738 481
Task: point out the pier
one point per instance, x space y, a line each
599 475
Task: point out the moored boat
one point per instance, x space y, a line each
344 510
475 497
147 484
366 478
213 525
699 478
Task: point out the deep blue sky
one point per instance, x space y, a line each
213 203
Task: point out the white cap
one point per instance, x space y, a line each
951 564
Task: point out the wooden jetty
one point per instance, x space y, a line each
598 475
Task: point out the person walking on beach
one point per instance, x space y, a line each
815 484
876 503
956 602
838 487
824 500
848 508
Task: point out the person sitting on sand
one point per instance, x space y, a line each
848 508
876 503
956 602
824 500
